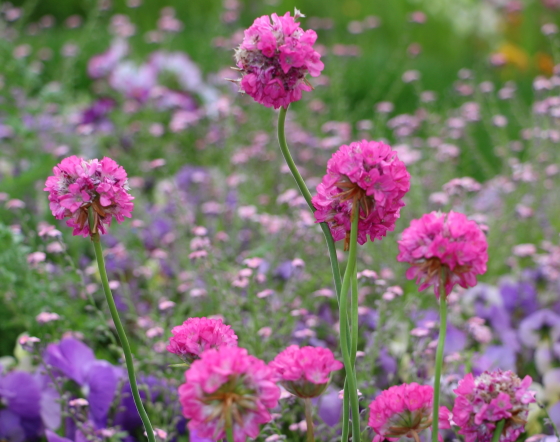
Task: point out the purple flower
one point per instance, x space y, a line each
543 324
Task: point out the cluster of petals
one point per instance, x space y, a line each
305 371
447 246
78 184
401 410
228 380
195 335
274 58
367 174
483 401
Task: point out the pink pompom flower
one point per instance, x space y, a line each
368 176
228 384
483 401
447 247
79 184
305 372
403 410
274 58
195 335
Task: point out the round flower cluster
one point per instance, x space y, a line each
274 58
227 384
368 176
305 371
196 335
483 401
78 184
447 246
402 410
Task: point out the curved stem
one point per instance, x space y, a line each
330 245
439 357
498 430
309 419
344 338
120 331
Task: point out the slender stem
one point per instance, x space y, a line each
354 316
332 254
344 338
498 430
229 426
345 412
439 357
309 419
121 333
307 195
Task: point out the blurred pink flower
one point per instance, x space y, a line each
274 59
78 184
228 380
403 410
305 371
447 246
196 335
367 175
483 401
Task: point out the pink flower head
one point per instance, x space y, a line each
196 335
78 184
228 381
274 59
402 410
305 372
447 246
483 401
367 175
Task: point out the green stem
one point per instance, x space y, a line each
345 412
498 430
330 245
309 419
439 357
354 316
307 195
229 426
344 338
120 331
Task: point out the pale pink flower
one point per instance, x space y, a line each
78 184
403 410
228 380
101 65
483 401
305 372
368 176
274 58
443 246
196 335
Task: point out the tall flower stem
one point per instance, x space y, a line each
439 356
229 425
309 419
498 430
120 331
354 315
345 340
330 245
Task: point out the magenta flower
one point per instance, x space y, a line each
274 59
228 382
483 401
305 372
403 410
196 335
78 184
443 245
367 175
